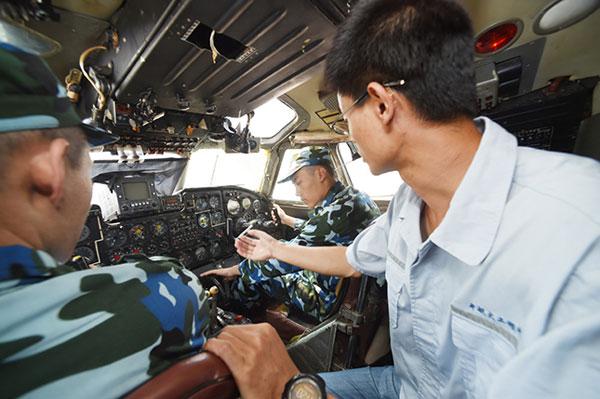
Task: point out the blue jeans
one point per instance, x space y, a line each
366 382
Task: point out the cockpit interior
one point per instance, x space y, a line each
210 100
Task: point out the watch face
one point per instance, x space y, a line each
305 388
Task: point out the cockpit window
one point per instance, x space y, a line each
286 191
268 119
382 187
215 167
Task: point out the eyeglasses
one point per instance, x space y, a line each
340 125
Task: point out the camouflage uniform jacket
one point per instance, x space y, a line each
342 215
93 333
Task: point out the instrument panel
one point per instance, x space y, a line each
197 226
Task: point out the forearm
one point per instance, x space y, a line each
324 260
291 221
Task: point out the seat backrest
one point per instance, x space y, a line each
201 376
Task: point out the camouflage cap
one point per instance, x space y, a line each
308 156
31 97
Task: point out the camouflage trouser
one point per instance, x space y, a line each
299 290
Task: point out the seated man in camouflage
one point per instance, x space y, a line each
64 333
339 214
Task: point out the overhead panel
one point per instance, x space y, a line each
224 57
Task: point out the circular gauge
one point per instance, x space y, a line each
85 233
137 232
214 202
159 228
233 206
246 203
217 218
201 254
257 205
85 252
115 238
215 249
186 259
201 204
203 220
164 246
152 250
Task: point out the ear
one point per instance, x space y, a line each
48 170
321 173
384 102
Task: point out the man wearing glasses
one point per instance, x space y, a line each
491 252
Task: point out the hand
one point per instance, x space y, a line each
256 245
283 217
256 357
228 273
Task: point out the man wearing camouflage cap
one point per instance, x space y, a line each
94 333
339 214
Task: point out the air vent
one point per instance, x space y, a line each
329 100
205 37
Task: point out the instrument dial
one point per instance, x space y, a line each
233 207
115 238
217 218
214 202
152 250
257 205
201 204
137 232
203 220
159 228
201 254
85 233
246 203
215 249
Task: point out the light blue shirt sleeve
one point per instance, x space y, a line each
367 254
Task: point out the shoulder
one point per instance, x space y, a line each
352 197
568 180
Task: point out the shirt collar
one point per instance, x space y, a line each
470 226
331 194
19 262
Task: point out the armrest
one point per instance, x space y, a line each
201 376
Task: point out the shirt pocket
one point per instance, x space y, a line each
483 349
396 280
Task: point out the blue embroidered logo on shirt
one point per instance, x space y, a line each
499 319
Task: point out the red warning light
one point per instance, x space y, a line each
496 38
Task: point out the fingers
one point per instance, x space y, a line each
257 234
215 272
256 357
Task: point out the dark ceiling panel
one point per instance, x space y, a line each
284 40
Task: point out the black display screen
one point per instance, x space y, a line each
136 191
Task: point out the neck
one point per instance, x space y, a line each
18 226
435 160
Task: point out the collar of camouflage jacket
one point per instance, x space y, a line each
333 192
21 263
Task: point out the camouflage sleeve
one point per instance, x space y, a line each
137 318
337 224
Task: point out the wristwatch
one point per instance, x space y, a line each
305 386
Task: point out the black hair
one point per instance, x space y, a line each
427 43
